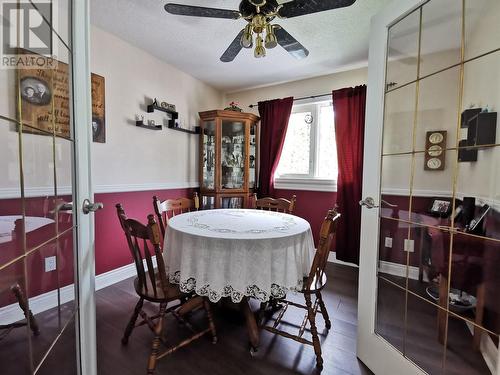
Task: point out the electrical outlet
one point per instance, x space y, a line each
409 246
50 264
388 242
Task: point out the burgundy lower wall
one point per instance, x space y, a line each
111 249
311 206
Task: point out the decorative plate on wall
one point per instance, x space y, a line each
435 150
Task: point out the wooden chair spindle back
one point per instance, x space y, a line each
327 233
278 204
171 207
138 237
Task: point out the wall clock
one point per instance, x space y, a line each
435 150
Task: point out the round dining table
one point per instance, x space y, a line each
238 254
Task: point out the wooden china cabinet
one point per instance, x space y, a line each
229 149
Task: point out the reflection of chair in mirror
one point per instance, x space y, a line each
23 304
313 285
171 207
278 204
467 265
18 293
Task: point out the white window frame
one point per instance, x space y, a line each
308 181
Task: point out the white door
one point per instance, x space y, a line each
47 309
430 244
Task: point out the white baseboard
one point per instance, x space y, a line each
46 301
488 349
397 269
13 313
332 258
390 268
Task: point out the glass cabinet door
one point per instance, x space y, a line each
252 151
208 150
232 202
233 155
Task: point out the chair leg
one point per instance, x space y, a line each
157 340
21 300
323 310
481 290
211 324
314 331
131 323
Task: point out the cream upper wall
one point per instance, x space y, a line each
133 155
132 158
307 87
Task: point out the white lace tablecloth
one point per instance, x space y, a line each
237 253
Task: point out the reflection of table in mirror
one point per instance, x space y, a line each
32 223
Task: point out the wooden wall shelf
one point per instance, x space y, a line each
173 115
196 131
141 124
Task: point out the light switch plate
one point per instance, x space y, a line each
50 264
388 242
409 246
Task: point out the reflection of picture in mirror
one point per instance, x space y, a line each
35 91
440 206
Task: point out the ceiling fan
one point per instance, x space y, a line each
259 14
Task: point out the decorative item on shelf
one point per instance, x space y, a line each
233 106
150 124
435 150
167 106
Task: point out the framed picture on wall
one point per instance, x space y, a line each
44 104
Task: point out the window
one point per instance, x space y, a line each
309 157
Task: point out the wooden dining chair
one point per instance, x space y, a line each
171 207
275 204
313 285
153 286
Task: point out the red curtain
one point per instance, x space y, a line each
274 116
349 106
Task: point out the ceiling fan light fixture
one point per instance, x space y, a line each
271 40
259 23
247 37
260 51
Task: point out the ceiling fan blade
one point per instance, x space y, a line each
297 8
194 11
233 49
290 44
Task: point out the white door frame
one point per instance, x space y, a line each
82 115
374 351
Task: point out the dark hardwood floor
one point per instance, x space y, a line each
231 355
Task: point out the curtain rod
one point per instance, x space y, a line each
305 97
